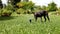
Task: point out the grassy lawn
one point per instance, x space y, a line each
20 25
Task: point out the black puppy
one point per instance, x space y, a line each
30 20
41 14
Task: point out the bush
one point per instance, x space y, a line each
6 12
58 12
28 11
20 11
0 12
23 11
26 5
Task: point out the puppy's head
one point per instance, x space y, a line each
30 20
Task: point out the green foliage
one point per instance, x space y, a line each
20 4
37 7
0 12
58 12
9 7
26 5
20 11
44 8
6 12
52 7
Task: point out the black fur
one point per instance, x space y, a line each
41 14
30 20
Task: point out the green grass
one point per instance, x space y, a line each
20 25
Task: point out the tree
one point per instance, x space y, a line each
44 8
52 6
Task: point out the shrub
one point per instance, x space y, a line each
6 12
58 12
28 11
0 12
26 5
20 11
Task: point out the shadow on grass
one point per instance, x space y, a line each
6 18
